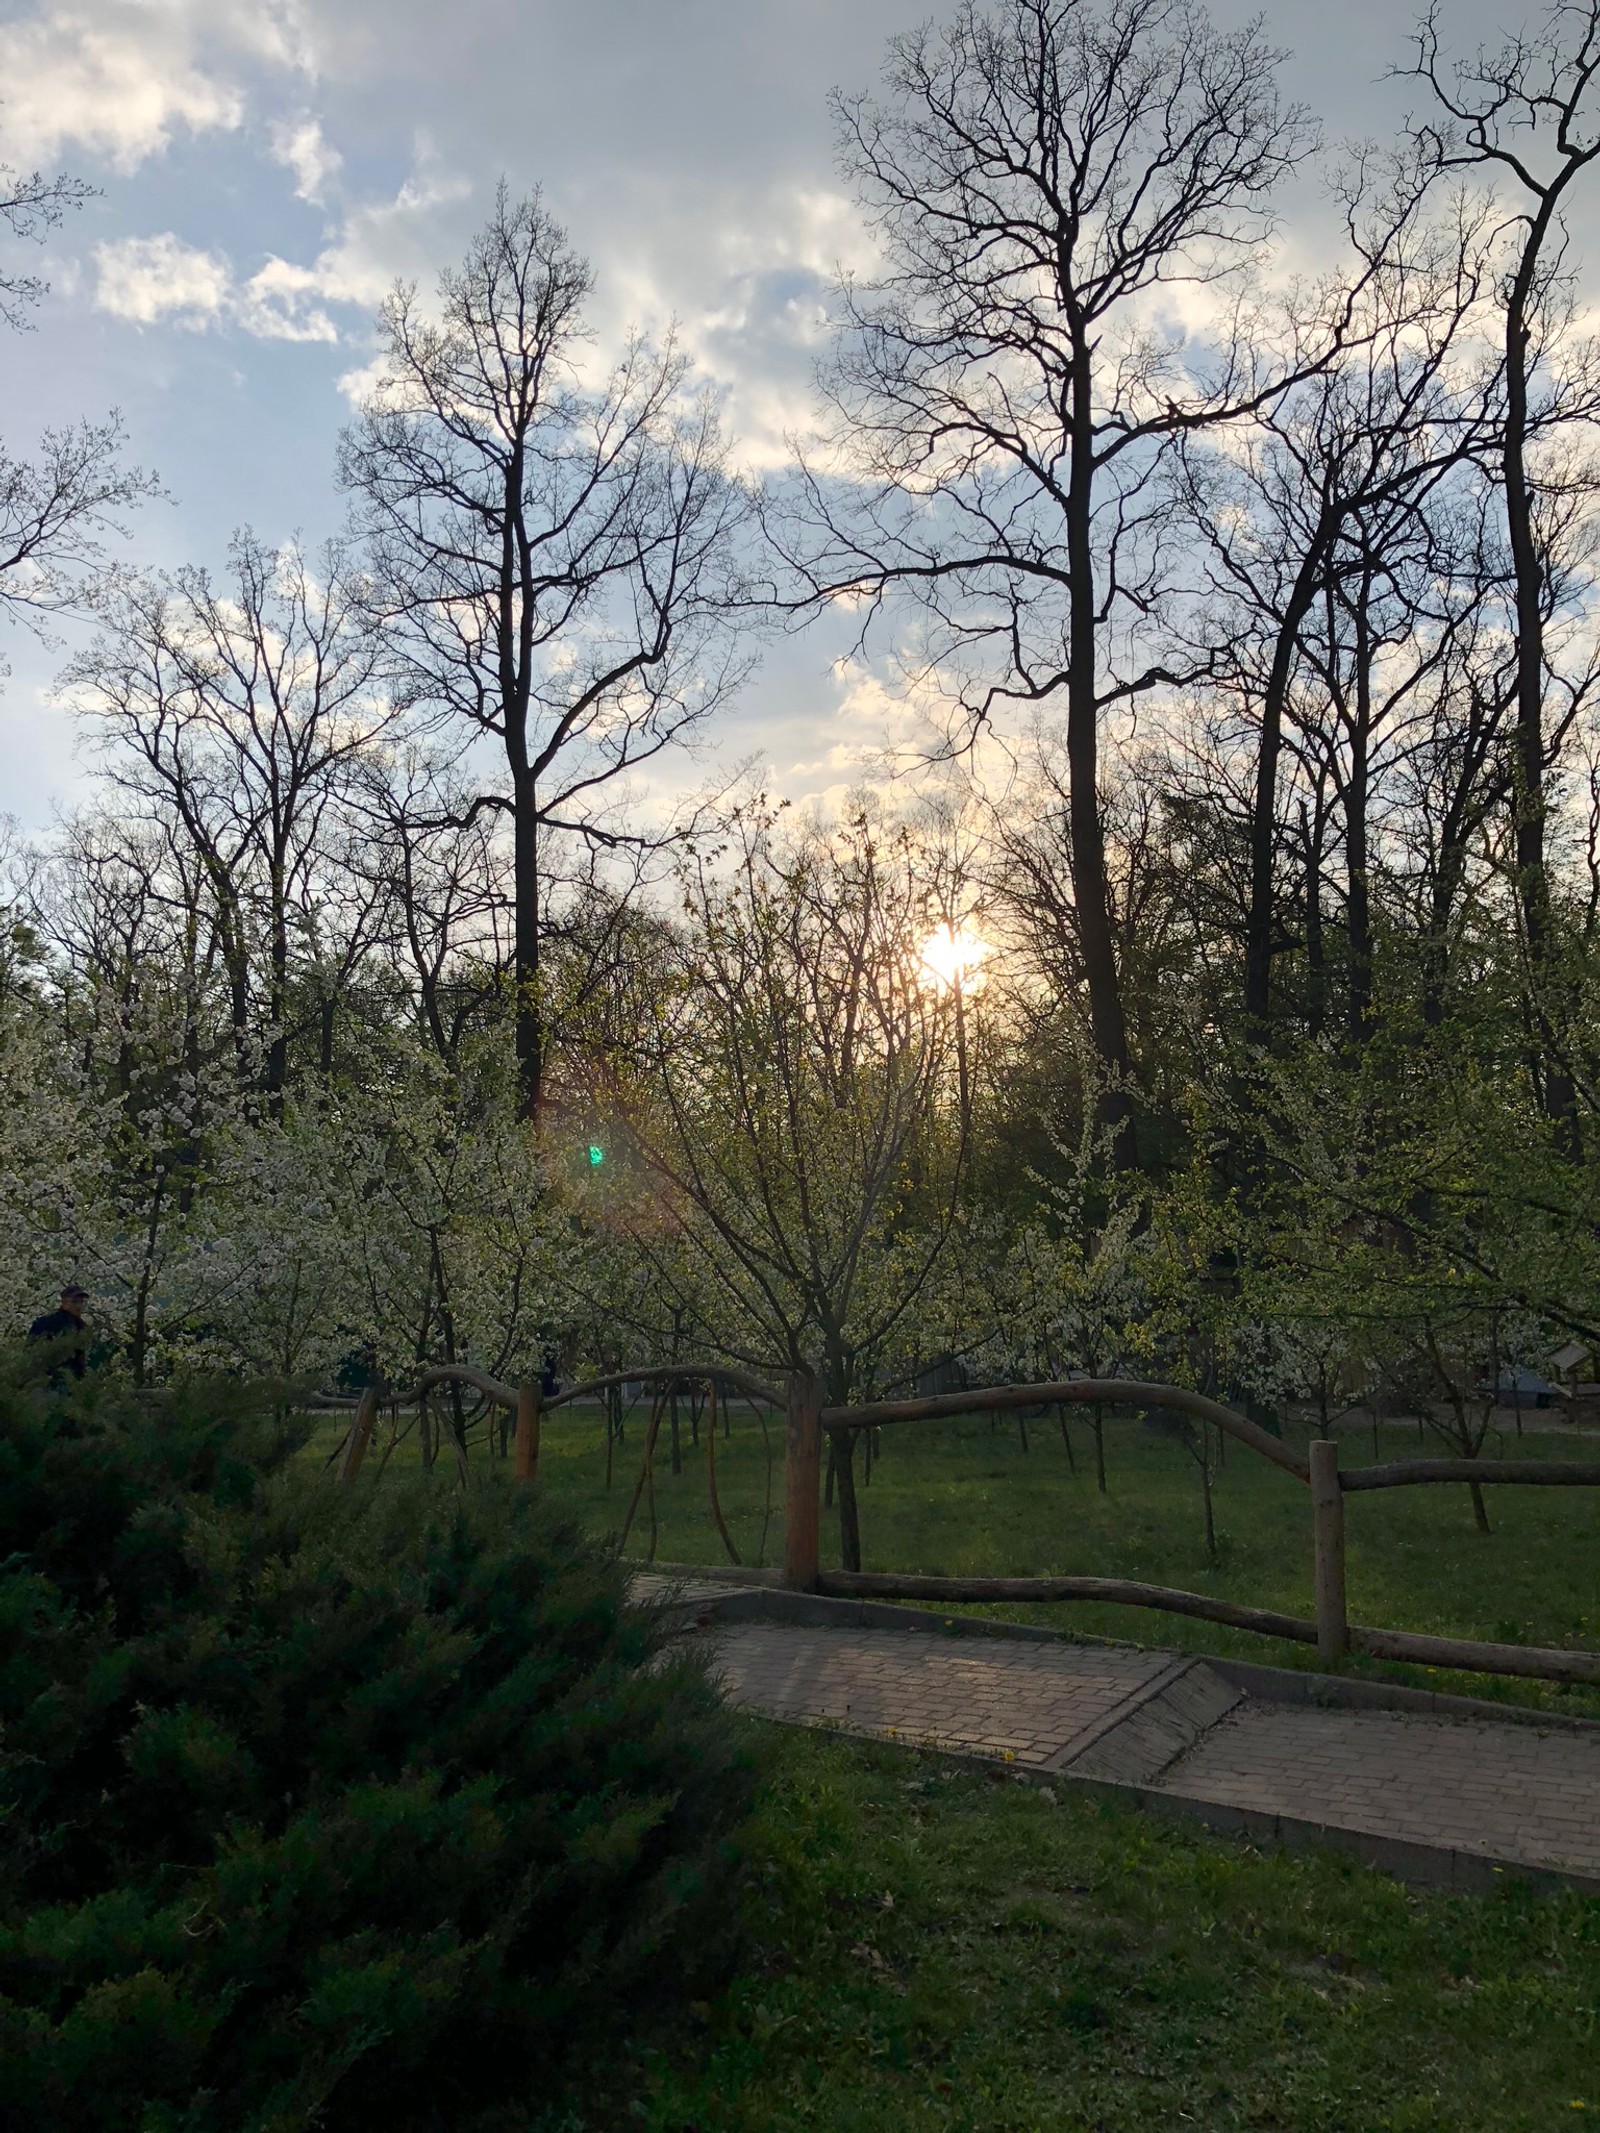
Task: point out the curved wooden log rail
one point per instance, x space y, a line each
1095 1392
808 1421
1332 1632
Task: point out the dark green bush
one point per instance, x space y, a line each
321 1807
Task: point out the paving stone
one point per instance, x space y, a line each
1173 1726
1141 1745
1511 1792
1031 1702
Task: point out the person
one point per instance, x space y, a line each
54 1325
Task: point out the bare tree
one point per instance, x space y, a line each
57 508
1334 485
1529 115
1011 385
553 561
238 713
444 892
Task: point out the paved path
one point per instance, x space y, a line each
1172 1726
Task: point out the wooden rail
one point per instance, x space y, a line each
1116 1592
1097 1392
1403 1473
1327 1486
1529 1661
683 1373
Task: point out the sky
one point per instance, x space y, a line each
267 169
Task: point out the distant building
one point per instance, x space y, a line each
1518 1386
1572 1360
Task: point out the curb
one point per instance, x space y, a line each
762 1602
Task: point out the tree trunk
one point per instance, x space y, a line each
1359 900
1264 808
1066 1438
1316 954
526 947
1090 889
1557 1094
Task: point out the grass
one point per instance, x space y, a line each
932 1950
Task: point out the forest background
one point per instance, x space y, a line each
1204 990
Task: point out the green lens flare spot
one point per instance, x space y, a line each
597 1154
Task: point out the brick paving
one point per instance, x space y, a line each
1504 1791
1034 1704
1513 1792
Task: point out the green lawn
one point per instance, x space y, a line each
934 1949
966 1497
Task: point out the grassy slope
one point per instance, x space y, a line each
934 1949
962 1497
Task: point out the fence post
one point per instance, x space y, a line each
1327 1528
527 1463
802 1476
355 1445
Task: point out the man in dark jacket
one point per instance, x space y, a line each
67 1319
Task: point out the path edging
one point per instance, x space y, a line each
768 1602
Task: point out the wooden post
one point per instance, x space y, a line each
355 1445
802 1475
1327 1527
527 1465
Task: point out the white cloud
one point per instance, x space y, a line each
162 281
279 303
120 78
117 82
150 280
383 241
299 146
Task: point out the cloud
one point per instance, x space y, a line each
406 237
299 146
152 281
120 78
117 88
155 280
280 303
159 280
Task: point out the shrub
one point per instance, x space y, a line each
353 1808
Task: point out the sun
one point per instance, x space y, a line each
953 955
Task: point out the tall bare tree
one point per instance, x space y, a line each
1330 479
57 508
553 559
1043 178
1527 117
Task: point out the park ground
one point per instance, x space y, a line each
930 1947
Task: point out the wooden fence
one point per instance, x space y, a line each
807 1422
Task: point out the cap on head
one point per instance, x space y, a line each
72 1289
